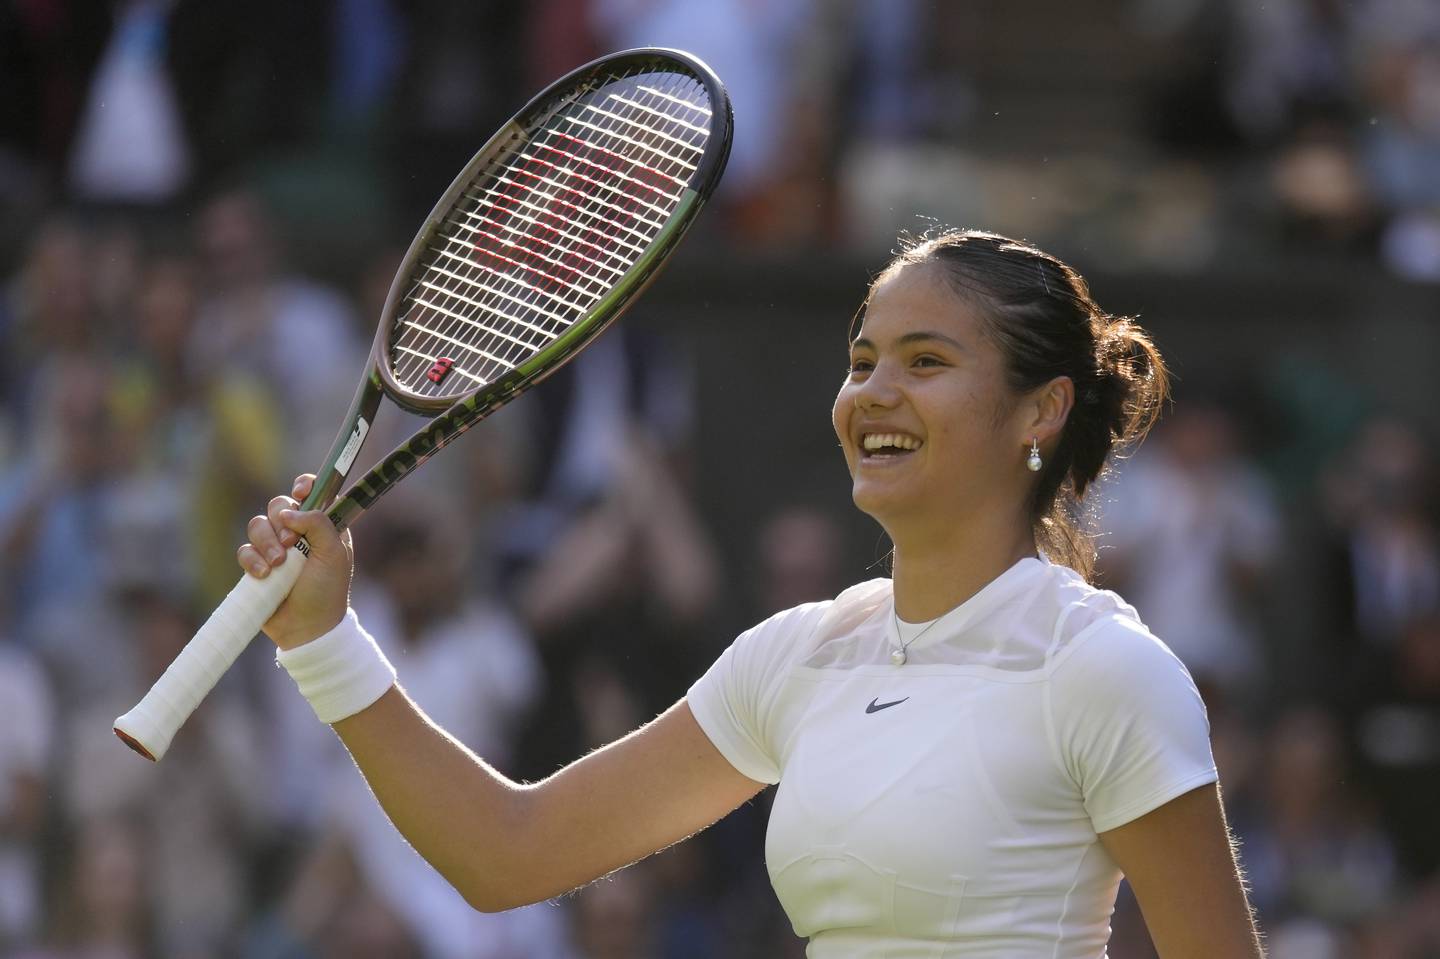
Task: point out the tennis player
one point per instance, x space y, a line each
969 754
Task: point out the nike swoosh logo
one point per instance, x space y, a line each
875 706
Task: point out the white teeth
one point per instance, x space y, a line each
878 441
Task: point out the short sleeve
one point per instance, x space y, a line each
734 700
1130 724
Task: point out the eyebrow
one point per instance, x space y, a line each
916 337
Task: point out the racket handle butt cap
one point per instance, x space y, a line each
152 724
131 741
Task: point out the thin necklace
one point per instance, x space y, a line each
898 655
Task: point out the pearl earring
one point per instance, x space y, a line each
1033 461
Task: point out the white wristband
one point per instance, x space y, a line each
341 672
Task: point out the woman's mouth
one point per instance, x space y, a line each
875 447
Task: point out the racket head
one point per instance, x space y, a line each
552 229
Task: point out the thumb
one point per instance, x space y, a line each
316 527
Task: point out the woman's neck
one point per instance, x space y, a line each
942 567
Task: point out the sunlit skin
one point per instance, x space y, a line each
955 508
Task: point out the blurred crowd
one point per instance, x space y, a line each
201 207
1331 106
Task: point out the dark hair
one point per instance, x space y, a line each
1040 314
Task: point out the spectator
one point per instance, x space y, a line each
253 323
131 146
603 553
1318 849
26 747
1399 738
159 399
614 918
105 899
799 560
754 46
1384 552
259 318
47 54
460 80
1191 531
327 912
49 312
1402 148
1289 58
199 815
56 507
478 664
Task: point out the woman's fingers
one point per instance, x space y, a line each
302 486
251 561
269 535
265 539
286 536
314 525
272 534
321 592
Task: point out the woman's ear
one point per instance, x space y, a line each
1049 406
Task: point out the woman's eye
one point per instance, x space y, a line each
860 366
926 360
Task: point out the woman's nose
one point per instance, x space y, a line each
877 391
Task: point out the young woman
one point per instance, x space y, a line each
970 754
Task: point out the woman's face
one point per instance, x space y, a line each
927 422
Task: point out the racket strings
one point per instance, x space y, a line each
585 254
599 194
592 195
548 229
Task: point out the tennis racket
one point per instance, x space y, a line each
544 238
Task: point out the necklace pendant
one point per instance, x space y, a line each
898 657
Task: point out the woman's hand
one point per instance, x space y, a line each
322 593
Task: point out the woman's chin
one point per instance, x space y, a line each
877 501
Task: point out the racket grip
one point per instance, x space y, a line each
149 727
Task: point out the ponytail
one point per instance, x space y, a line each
1039 312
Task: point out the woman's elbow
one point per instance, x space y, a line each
488 901
497 888
495 898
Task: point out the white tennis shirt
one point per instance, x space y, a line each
950 807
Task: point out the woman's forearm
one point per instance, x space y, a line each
457 811
502 844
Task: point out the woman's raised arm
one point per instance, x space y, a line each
501 844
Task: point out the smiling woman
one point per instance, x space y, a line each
999 323
971 753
